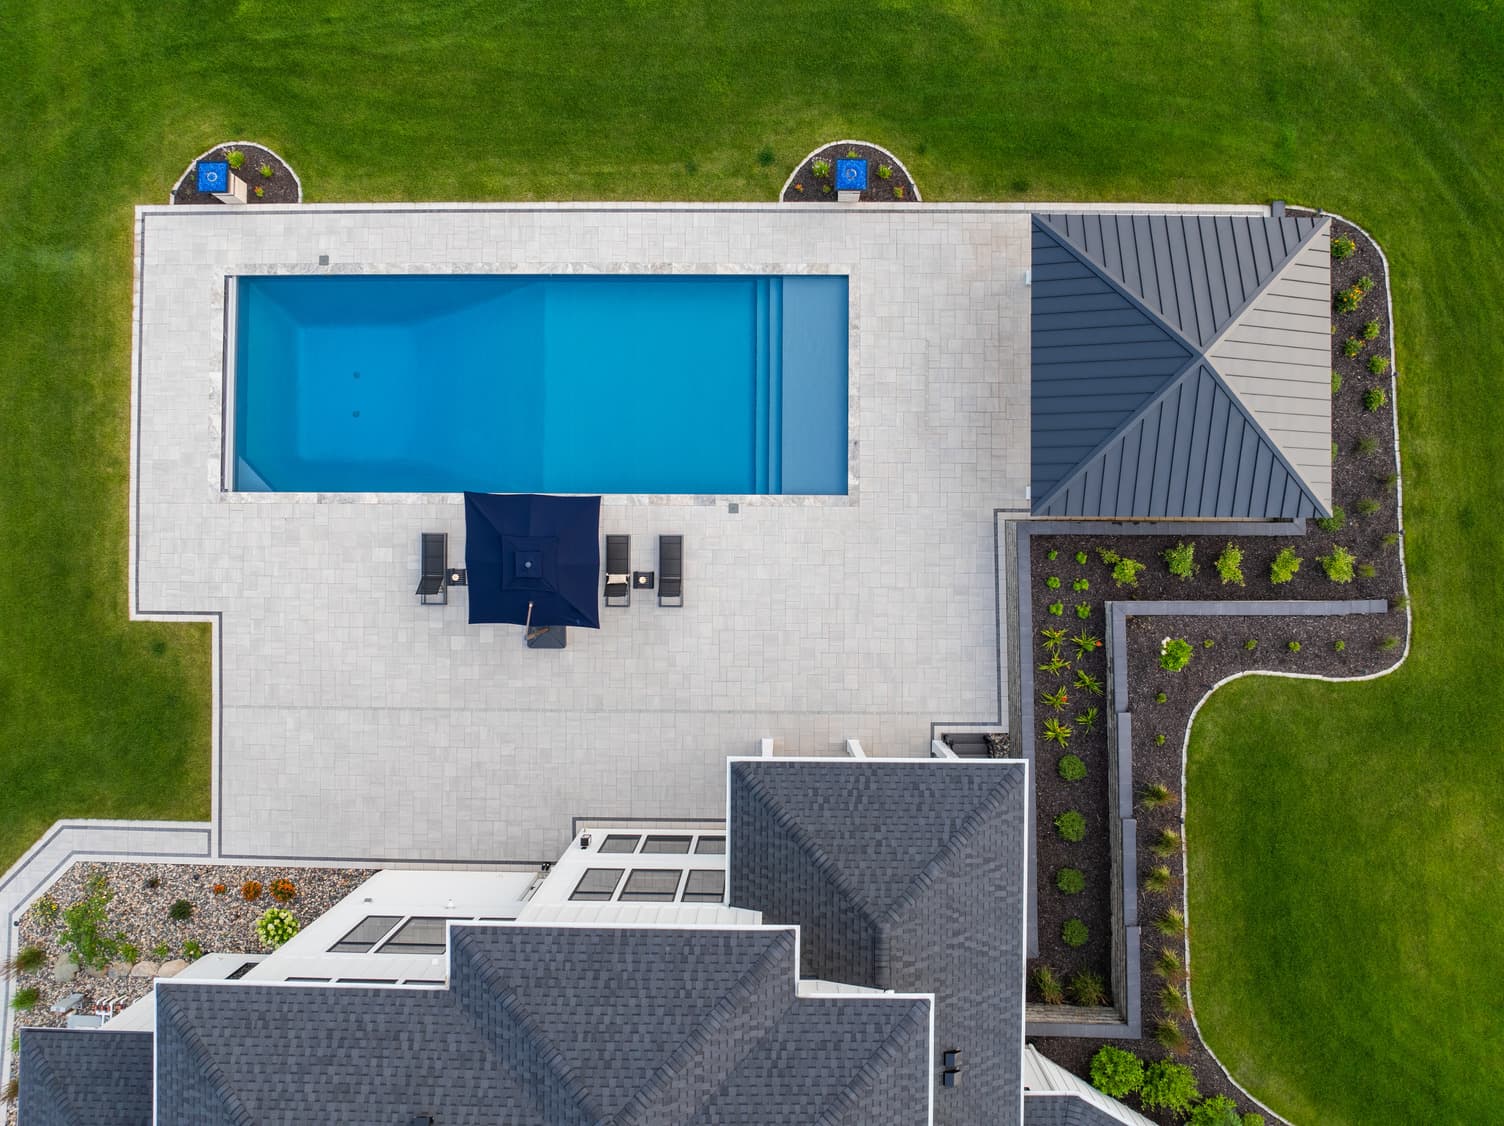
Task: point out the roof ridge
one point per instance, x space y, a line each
971 824
845 1102
1235 318
39 1063
202 1056
643 1106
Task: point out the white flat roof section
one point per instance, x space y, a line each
353 723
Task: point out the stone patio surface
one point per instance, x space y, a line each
353 723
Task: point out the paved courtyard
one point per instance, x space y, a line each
354 723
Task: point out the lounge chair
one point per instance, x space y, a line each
619 570
432 588
671 570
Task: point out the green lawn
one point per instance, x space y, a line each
1347 964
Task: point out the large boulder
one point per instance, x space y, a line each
172 968
144 969
119 969
65 969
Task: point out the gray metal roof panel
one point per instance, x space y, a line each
900 875
84 1078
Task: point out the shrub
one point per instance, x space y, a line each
1334 522
1070 825
1391 538
1251 644
1367 506
180 911
1365 446
1159 740
1052 554
1166 843
1400 603
1371 330
898 192
26 998
1083 610
83 926
1071 768
1053 639
1365 283
1336 381
1389 480
1174 654
1056 664
1293 646
192 951
1158 879
1181 559
1339 646
260 191
235 158
1109 556
1168 1086
1348 300
1156 795
1081 557
1086 643
27 959
1208 643
275 926
1377 364
1160 697
1072 881
1168 1034
1339 564
1352 346
220 889
1125 572
1088 683
1253 1120
1057 732
250 890
283 890
129 952
161 952
45 910
1285 564
1053 582
1230 564
1167 964
1056 608
884 171
1374 398
1367 570
1087 988
1087 720
1081 585
1343 247
1172 1000
1048 985
1116 1073
820 168
1390 642
1171 923
1073 933
1056 699
1219 1110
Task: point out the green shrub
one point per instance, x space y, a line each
820 168
1352 346
1168 1086
1334 522
1389 480
129 952
1208 643
1366 445
1073 933
180 911
1081 585
1071 768
1158 879
1167 964
1166 843
275 926
1174 654
884 171
1285 564
1109 556
266 171
898 192
1367 506
1125 572
235 158
1086 643
1172 1000
1048 985
1377 364
1087 720
1083 610
1371 330
1400 603
25 998
1168 1034
1052 554
192 951
1251 644
1070 825
1230 564
1390 642
1088 683
1159 740
1072 881
1348 300
1057 732
1293 646
83 930
1160 697
1365 283
1156 795
1219 1110
1339 646
1056 608
1251 1119
1053 582
259 191
1116 1073
1391 538
1052 639
161 952
1336 381
1339 564
1087 989
1343 247
1171 923
27 959
1374 398
1181 559
1056 699
1081 557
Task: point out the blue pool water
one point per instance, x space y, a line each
556 383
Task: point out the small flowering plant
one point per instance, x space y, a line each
275 926
1174 653
282 890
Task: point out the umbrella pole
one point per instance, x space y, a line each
532 634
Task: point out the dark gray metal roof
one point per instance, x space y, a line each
557 1025
1065 1110
905 876
84 1077
1132 417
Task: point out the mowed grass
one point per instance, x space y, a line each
1344 869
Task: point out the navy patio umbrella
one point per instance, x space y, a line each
533 559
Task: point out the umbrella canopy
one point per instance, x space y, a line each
531 549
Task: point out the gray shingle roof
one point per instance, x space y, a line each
85 1078
1065 1110
905 876
1179 366
557 1025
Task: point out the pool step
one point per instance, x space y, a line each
768 386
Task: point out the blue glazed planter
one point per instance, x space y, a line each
851 175
213 176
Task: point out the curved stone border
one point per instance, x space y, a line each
918 198
172 191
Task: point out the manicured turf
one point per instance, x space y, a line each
1344 878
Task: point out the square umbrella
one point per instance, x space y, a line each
533 559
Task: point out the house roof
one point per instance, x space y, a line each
903 875
1180 366
85 1077
557 1025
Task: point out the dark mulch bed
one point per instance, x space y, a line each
1365 465
806 187
279 187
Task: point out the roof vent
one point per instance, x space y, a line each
951 1057
422 1120
951 1077
584 840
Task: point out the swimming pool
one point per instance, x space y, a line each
559 383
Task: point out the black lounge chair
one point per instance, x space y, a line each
619 570
432 589
671 570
